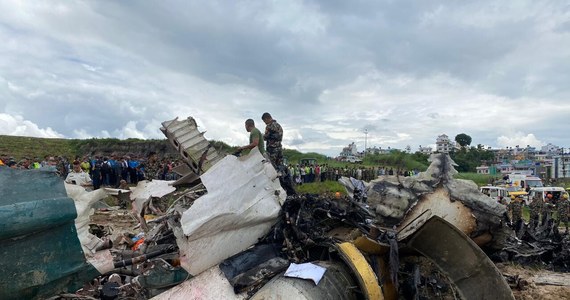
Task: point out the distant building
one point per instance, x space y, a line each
505 168
443 144
550 149
483 170
350 150
540 157
378 150
425 150
560 166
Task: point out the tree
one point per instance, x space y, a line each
463 140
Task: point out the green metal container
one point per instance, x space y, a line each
40 253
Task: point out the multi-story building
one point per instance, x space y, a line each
443 144
350 150
560 166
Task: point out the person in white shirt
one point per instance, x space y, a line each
78 177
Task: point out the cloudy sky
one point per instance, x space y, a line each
406 71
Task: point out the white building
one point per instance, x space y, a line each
483 170
425 150
550 149
350 150
443 144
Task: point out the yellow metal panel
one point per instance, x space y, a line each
370 246
388 288
364 273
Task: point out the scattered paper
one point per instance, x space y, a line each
306 271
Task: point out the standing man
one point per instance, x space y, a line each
536 207
255 137
516 213
563 211
78 177
85 165
547 209
273 136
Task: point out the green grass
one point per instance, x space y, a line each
327 187
479 179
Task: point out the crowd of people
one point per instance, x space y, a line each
541 210
307 173
101 171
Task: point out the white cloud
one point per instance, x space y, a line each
520 139
81 134
16 125
130 131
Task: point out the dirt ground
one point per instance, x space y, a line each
116 221
537 284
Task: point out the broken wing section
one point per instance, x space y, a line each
243 202
194 148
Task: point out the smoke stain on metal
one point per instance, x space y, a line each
439 204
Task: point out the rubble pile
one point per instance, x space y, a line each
145 263
397 201
148 263
542 246
268 233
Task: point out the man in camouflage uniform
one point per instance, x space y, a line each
535 211
273 136
547 209
563 207
516 212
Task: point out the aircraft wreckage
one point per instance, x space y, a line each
234 233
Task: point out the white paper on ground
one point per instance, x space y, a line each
242 204
306 271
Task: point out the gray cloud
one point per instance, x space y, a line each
406 70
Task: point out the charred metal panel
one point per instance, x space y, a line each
458 257
396 201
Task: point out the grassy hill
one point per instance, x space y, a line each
31 147
20 147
